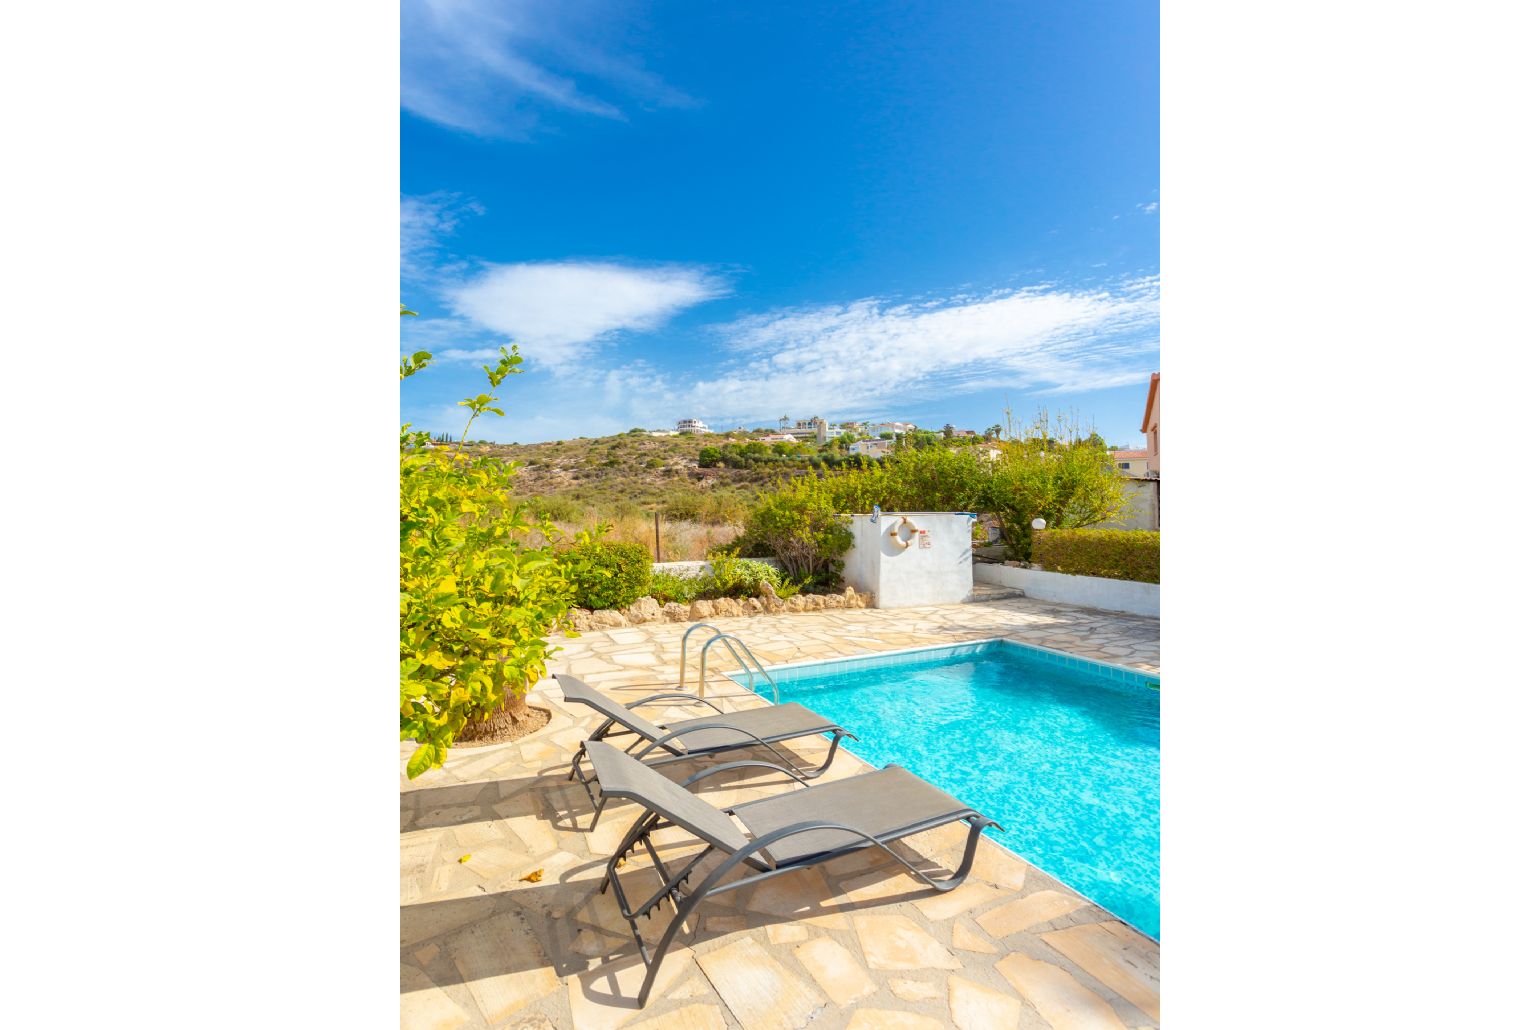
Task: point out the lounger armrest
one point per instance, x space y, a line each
696 727
674 697
708 773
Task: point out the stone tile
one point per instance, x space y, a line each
1025 913
604 998
1057 996
941 907
1117 956
502 964
425 1006
835 970
889 1019
691 1017
892 941
968 940
980 1008
993 864
786 933
914 990
761 993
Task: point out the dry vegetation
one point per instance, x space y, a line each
623 480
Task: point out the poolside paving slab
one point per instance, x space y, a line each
857 943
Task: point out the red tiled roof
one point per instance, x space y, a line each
1131 454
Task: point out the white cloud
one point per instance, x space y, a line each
558 311
1149 208
425 222
864 359
492 67
868 356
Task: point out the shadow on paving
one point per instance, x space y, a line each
568 927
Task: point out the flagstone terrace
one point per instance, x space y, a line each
502 925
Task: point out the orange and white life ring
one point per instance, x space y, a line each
904 541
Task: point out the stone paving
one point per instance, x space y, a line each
856 943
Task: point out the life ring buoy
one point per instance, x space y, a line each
904 542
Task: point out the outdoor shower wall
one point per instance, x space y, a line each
936 567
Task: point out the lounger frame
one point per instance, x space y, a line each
748 857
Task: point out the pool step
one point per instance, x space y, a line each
992 592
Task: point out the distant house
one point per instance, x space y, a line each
1133 463
814 427
892 427
1151 427
691 425
872 448
777 438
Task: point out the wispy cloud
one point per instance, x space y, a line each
494 67
1149 208
868 355
559 312
425 223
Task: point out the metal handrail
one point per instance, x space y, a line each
685 640
733 643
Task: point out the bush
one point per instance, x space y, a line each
1110 553
671 586
799 525
606 574
732 576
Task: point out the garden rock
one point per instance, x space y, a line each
753 606
796 603
700 611
644 610
675 612
727 607
834 600
811 603
608 618
580 620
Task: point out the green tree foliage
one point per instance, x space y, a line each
800 525
477 596
605 574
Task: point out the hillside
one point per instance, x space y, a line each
632 474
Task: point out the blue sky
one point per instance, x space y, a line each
739 211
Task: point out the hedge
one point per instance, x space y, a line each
605 574
1110 553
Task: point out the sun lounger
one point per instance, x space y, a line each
695 738
784 833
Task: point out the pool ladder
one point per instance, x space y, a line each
737 648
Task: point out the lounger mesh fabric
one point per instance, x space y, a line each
771 723
625 777
574 689
889 803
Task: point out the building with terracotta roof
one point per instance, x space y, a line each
1135 464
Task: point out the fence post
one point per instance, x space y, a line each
657 537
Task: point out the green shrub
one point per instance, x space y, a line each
732 576
605 574
799 525
1132 554
671 586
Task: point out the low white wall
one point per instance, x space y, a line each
907 577
1114 595
700 568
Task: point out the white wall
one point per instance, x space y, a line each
1114 595
907 577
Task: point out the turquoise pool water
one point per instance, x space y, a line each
1063 752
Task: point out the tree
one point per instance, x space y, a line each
948 431
993 432
477 596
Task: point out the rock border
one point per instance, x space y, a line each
647 609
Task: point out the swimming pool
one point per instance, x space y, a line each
1063 752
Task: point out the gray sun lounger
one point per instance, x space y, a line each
695 738
785 833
